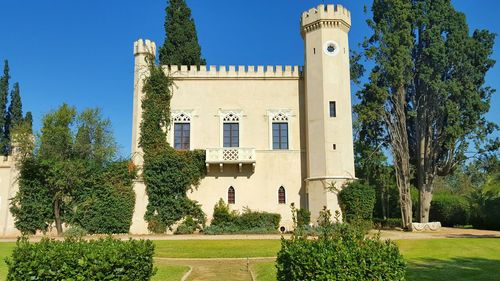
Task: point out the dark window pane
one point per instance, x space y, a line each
280 135
231 135
231 195
281 195
182 132
333 109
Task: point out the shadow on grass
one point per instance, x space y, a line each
472 235
454 269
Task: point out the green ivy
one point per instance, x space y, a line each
168 174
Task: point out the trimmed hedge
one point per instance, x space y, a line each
103 259
342 254
357 201
450 209
226 221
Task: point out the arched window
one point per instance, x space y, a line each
281 195
230 195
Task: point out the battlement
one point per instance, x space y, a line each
6 161
233 72
144 47
332 15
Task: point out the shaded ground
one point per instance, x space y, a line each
444 232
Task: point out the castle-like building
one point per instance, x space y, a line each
273 135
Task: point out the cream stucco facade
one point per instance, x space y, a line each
8 189
263 127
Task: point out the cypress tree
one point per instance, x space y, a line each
15 113
28 120
4 91
181 45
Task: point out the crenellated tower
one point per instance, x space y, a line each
329 143
142 49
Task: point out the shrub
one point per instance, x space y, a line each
226 221
188 226
253 220
357 201
104 259
450 209
223 215
485 210
233 229
342 253
303 217
75 232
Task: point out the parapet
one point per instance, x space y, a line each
185 72
144 47
332 15
6 161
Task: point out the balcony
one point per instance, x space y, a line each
230 156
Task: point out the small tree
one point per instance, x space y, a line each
71 157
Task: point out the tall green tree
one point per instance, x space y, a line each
15 111
28 120
181 45
449 99
428 86
383 99
4 93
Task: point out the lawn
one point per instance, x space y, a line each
431 259
216 248
452 259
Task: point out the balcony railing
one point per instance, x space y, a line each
230 155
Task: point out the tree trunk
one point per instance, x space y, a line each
384 201
405 201
396 121
57 217
425 199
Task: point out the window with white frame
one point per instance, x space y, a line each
182 131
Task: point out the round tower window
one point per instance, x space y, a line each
331 48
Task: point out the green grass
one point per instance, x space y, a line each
431 259
216 248
264 271
168 272
452 259
5 250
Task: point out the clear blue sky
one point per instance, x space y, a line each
80 51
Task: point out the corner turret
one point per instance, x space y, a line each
329 144
325 16
142 49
